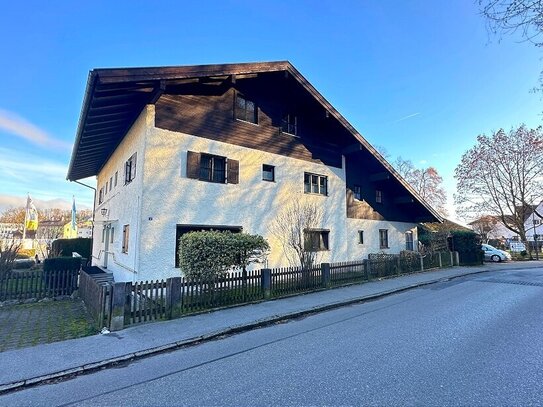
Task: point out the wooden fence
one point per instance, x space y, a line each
24 285
121 304
97 298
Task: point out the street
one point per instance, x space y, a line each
474 340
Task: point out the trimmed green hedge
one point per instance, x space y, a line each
208 254
468 246
65 247
61 264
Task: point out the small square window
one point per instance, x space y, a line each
360 237
357 192
378 196
268 172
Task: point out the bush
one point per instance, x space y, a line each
61 263
468 246
65 247
23 264
209 254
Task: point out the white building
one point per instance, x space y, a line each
230 147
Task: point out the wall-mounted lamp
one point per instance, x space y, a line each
103 211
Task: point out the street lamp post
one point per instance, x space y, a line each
534 233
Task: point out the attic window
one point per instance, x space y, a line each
246 109
289 124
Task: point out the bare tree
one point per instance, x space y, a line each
510 16
291 228
426 181
8 252
484 226
501 176
515 16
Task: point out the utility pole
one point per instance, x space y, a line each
534 233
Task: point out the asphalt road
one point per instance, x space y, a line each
470 341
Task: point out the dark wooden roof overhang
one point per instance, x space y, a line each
114 98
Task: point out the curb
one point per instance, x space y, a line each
130 357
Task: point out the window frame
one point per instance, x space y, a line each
130 169
360 237
318 184
212 171
238 109
323 240
286 121
383 239
357 192
272 167
409 242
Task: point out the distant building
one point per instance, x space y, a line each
10 230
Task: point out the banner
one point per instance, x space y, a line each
31 218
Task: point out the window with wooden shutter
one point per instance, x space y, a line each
233 171
130 169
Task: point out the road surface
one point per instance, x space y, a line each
476 340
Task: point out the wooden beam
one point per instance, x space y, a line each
353 148
159 90
404 200
380 176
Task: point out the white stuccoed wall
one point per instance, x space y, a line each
162 196
123 202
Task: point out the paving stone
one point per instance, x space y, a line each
43 322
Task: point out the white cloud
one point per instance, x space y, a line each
16 125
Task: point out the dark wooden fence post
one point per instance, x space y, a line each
266 283
399 265
174 295
325 269
118 300
367 269
421 263
440 261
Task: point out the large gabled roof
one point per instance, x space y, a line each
115 97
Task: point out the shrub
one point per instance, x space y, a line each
65 247
209 254
23 264
61 263
468 246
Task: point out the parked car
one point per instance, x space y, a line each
493 254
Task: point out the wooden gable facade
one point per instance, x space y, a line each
202 101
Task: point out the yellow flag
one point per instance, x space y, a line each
31 215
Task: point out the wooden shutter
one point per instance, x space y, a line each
233 172
193 165
133 167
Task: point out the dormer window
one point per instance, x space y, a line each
246 109
289 124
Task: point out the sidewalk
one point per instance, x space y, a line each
29 366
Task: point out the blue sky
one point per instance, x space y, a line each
420 78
